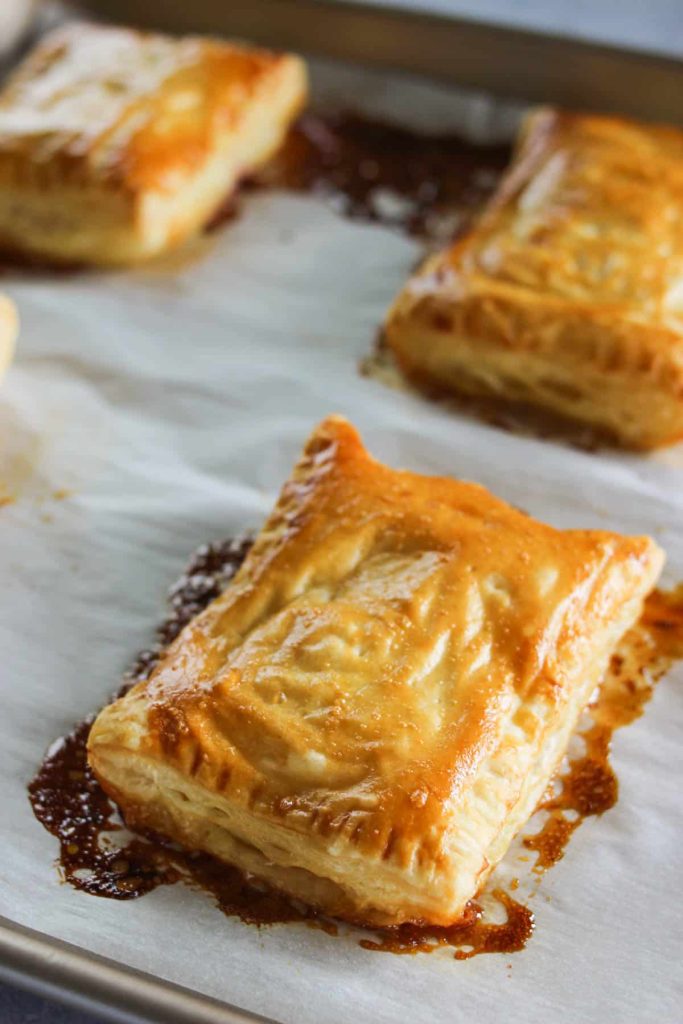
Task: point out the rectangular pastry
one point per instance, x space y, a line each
568 292
117 144
375 704
9 327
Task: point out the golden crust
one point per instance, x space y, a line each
9 328
376 703
568 293
116 143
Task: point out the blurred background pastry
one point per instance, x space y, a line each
9 325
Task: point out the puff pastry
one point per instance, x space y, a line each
378 699
9 327
116 144
568 293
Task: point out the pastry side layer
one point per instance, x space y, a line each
375 704
568 292
117 144
9 329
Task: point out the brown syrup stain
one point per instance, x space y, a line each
205 577
589 785
426 185
67 799
471 936
98 856
13 261
228 211
69 802
20 458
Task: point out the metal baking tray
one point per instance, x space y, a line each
503 61
494 58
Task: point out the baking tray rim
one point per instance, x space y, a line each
477 54
86 981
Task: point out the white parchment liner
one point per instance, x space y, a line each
171 402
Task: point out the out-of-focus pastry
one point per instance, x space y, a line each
568 292
375 704
9 328
117 144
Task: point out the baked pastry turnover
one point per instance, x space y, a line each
568 292
116 144
375 704
9 327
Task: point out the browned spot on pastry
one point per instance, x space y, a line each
442 322
196 761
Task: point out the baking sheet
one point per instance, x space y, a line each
150 411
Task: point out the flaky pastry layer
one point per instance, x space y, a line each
375 704
568 293
116 145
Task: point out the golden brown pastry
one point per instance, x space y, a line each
568 293
9 327
375 704
116 144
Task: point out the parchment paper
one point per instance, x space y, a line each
170 403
